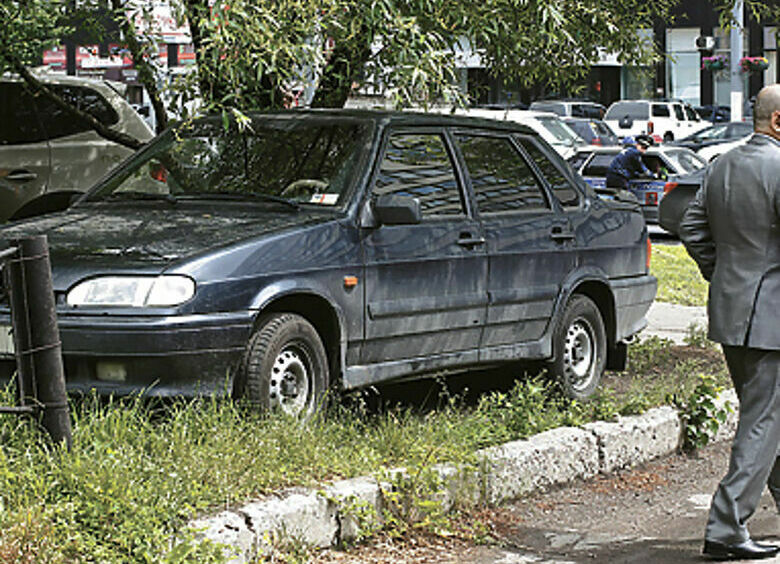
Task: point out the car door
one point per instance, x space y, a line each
425 283
24 151
528 241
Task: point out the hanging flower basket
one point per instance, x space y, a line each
716 63
753 64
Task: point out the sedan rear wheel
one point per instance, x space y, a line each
285 367
579 348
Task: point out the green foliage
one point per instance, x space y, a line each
260 55
696 336
701 416
413 499
679 280
140 469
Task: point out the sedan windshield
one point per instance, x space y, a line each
272 159
560 132
686 161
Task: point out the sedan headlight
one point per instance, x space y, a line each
132 291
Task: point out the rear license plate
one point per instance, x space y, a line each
6 340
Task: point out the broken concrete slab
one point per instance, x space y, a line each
636 439
549 458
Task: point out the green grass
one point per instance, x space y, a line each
139 470
679 280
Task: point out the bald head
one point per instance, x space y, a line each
766 112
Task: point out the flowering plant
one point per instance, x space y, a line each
716 63
753 64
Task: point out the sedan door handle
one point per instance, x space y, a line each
468 240
561 235
21 176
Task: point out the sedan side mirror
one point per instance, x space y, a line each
391 209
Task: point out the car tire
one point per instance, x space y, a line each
668 136
579 348
285 367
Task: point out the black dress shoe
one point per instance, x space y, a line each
747 550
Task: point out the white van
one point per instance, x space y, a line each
668 120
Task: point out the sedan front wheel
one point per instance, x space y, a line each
285 367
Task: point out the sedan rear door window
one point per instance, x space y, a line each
501 179
563 189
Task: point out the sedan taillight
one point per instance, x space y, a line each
669 186
649 254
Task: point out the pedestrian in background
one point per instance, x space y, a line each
628 163
732 231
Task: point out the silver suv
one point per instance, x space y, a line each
44 150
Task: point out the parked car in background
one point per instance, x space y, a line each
593 131
43 149
669 120
549 126
335 248
570 108
677 194
715 135
714 113
665 162
710 153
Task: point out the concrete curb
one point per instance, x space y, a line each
343 511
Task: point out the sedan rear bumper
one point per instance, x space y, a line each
633 298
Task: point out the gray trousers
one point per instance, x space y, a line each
754 452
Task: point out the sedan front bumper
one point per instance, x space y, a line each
160 355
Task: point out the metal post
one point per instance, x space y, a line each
45 349
737 81
17 299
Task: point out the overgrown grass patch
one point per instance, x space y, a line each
679 280
140 469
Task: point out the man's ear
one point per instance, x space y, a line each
775 122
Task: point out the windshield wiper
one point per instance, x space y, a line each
138 195
240 196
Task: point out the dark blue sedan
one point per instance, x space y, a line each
308 250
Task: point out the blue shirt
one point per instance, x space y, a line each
628 164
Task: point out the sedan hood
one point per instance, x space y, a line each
151 238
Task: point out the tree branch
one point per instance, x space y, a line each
146 72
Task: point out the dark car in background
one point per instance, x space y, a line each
714 113
312 249
593 131
678 193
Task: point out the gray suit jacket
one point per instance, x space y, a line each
732 230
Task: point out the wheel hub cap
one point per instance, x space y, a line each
289 386
578 355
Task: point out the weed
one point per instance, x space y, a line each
700 414
696 336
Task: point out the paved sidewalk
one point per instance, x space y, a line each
671 321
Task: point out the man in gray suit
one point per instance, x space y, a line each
732 231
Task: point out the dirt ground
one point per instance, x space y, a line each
652 514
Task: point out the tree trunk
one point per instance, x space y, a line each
343 69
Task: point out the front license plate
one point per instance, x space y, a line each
6 340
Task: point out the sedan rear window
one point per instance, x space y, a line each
634 110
